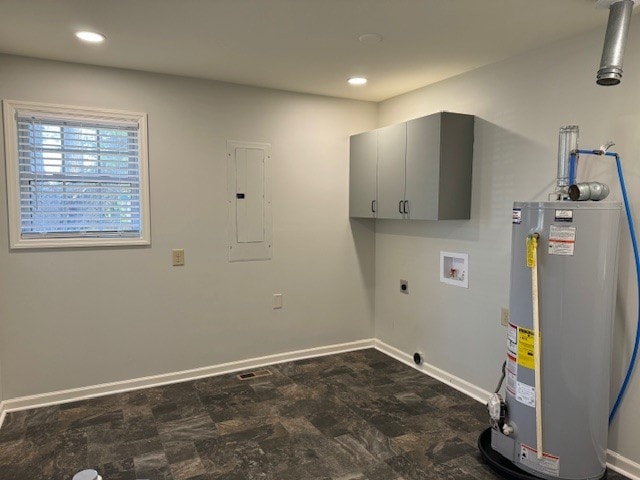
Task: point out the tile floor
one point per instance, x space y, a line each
353 416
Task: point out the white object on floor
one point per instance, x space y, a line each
87 475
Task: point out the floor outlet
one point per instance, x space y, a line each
404 287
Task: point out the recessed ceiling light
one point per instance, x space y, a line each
370 38
357 81
91 37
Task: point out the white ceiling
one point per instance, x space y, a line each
299 45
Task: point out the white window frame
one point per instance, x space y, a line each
16 240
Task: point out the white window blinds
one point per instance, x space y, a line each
76 176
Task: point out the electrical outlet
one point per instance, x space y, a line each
177 255
504 316
404 287
277 301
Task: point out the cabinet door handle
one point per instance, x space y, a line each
373 206
405 206
400 207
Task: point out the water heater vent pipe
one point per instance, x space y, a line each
615 40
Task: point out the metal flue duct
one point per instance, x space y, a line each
615 40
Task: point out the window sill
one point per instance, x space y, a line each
32 243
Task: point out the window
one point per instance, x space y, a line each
75 176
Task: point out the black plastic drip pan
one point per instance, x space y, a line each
497 462
501 465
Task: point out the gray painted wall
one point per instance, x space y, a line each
80 317
520 104
73 318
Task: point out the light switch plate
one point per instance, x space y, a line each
277 300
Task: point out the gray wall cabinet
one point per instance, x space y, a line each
391 170
423 169
363 175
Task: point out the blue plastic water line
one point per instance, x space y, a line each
572 168
573 162
634 242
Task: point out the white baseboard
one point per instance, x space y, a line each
623 465
458 383
3 413
74 394
615 461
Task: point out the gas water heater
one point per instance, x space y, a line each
551 422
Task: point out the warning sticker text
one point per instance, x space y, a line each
549 464
526 394
512 339
562 240
525 348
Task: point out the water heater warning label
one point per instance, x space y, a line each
564 216
512 339
526 394
512 374
562 240
512 364
512 383
525 348
516 217
548 464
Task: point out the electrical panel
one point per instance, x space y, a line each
249 201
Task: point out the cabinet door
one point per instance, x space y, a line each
363 169
391 154
423 167
456 164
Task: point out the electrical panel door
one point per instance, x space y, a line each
249 201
